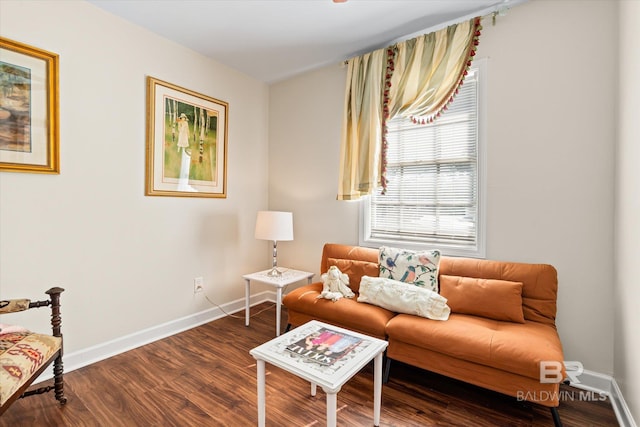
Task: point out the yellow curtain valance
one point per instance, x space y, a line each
417 79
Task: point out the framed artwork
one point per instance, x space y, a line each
29 122
186 142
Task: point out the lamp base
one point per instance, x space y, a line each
274 272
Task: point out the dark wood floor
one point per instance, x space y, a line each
206 377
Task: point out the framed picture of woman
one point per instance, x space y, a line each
186 142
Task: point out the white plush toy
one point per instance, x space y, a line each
335 285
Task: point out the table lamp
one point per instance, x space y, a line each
276 226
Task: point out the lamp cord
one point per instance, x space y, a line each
242 317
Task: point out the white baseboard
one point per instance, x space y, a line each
623 414
605 384
594 381
88 356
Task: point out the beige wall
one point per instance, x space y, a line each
627 295
127 261
305 115
551 130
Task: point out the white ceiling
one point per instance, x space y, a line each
272 40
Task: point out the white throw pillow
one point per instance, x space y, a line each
403 298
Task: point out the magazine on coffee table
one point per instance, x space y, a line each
324 346
287 352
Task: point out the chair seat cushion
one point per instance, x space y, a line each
21 355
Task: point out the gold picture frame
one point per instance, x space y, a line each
29 120
186 142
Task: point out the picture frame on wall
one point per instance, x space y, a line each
186 142
29 115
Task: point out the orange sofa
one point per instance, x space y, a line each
500 355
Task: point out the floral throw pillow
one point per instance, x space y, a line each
417 267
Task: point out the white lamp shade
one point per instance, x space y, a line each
274 225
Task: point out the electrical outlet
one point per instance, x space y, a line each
198 285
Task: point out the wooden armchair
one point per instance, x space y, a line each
24 355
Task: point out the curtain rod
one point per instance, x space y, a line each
499 9
492 11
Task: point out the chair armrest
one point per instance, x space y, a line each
14 305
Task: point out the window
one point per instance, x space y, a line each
435 181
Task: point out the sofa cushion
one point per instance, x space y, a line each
354 269
403 298
491 298
540 282
303 304
512 347
419 268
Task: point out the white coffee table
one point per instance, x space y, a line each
308 359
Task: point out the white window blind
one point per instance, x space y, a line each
432 196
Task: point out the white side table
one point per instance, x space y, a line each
288 277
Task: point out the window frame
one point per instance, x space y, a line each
479 251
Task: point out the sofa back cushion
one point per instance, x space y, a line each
490 298
354 261
539 282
